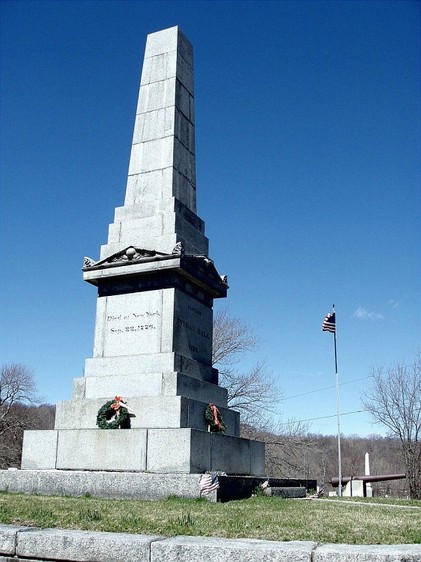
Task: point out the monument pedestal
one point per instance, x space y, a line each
102 484
181 451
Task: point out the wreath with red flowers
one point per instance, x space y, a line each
214 419
113 415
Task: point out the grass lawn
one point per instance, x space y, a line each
258 517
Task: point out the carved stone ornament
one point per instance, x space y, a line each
131 254
128 255
88 262
179 249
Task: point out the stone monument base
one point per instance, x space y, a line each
181 450
101 484
141 485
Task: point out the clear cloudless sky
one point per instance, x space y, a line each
308 170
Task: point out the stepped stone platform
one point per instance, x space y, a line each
138 485
101 484
182 450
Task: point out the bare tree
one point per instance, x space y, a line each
17 391
253 393
231 336
288 447
394 400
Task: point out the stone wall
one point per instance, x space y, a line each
25 543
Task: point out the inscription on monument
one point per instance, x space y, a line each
132 325
131 322
193 328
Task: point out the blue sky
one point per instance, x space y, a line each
308 167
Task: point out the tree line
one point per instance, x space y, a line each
309 456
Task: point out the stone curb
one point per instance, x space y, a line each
33 544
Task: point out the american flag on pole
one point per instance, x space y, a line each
329 323
208 483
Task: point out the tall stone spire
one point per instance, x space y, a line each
154 317
160 205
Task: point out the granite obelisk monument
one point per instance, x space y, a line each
156 286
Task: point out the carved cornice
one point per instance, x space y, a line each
199 268
123 257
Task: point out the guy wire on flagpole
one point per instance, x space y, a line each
337 411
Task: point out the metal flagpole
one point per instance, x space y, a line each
337 412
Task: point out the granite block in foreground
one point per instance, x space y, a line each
368 553
193 549
83 546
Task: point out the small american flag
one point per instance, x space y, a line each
208 483
329 323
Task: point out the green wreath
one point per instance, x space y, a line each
214 420
109 417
